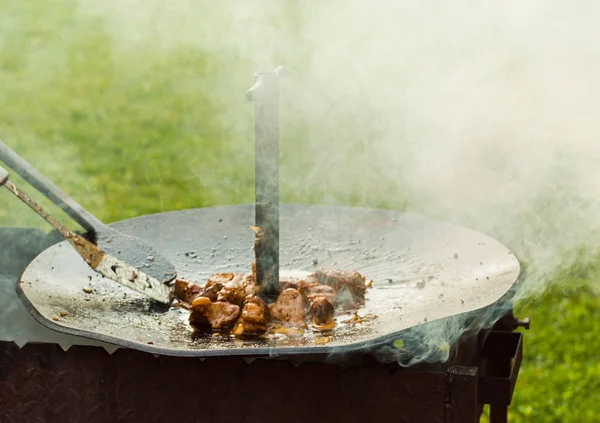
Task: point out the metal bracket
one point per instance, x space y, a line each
501 355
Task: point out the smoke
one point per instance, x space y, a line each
480 113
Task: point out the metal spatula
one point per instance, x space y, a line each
132 250
105 264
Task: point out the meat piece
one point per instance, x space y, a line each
214 284
321 300
321 312
310 290
254 318
211 291
186 291
218 315
350 287
340 279
289 308
251 288
237 289
220 278
287 285
288 282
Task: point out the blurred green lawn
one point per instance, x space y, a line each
143 132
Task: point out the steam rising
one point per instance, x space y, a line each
481 113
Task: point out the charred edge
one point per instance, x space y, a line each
90 253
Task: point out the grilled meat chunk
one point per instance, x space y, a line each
321 312
320 299
228 302
312 289
214 284
251 287
220 278
254 318
289 308
211 291
349 286
237 289
186 291
288 282
218 315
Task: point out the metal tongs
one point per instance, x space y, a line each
123 263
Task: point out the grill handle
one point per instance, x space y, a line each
3 176
30 174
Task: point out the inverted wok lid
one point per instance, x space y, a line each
423 270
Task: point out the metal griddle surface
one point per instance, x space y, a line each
422 269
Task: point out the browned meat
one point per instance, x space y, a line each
186 291
289 308
287 282
310 290
214 284
251 288
254 318
220 278
218 315
211 291
349 286
321 312
236 290
229 302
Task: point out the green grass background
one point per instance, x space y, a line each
143 132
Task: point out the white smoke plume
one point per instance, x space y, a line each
481 113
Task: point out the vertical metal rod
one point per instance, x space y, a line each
265 95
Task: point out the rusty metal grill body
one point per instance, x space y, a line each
41 382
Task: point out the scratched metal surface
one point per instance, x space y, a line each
423 270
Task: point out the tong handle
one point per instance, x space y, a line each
47 188
3 176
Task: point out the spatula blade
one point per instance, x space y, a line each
137 253
131 277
